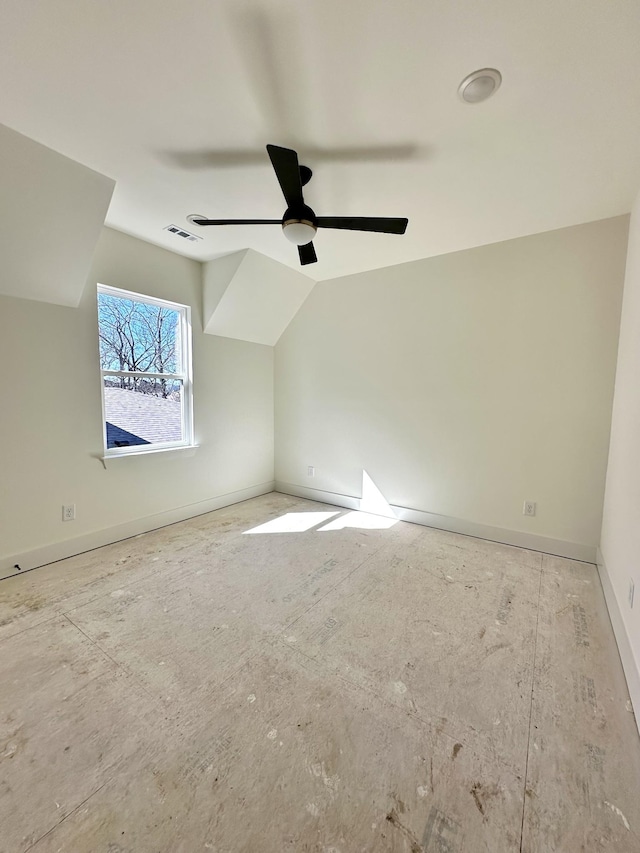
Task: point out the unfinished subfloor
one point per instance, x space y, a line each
338 686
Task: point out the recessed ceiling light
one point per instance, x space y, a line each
480 85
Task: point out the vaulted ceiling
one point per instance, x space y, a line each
176 101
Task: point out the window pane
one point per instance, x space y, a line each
142 411
138 336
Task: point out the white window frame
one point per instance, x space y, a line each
186 377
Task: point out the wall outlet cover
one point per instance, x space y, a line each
68 512
529 508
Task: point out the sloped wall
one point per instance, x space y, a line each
250 297
52 210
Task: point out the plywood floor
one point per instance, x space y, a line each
346 689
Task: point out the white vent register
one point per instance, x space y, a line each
180 232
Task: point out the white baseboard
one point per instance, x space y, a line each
531 541
70 547
629 663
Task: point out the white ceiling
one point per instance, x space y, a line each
177 100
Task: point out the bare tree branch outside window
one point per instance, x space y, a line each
142 338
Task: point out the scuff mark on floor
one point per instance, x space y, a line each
617 811
392 818
478 802
481 793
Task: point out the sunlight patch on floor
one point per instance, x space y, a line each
292 522
375 513
363 520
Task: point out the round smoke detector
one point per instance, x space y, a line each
480 85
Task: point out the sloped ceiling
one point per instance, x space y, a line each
251 297
51 212
177 102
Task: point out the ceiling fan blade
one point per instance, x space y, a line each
364 223
287 169
237 221
269 47
307 254
234 158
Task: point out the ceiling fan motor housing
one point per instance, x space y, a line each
299 213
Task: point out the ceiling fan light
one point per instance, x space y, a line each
299 231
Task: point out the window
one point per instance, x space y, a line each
145 363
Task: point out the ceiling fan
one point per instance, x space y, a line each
299 222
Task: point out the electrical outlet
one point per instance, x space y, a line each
529 508
632 589
68 512
311 471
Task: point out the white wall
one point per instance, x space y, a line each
620 544
463 384
51 418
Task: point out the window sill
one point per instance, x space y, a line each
183 452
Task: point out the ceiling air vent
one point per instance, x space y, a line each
180 232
